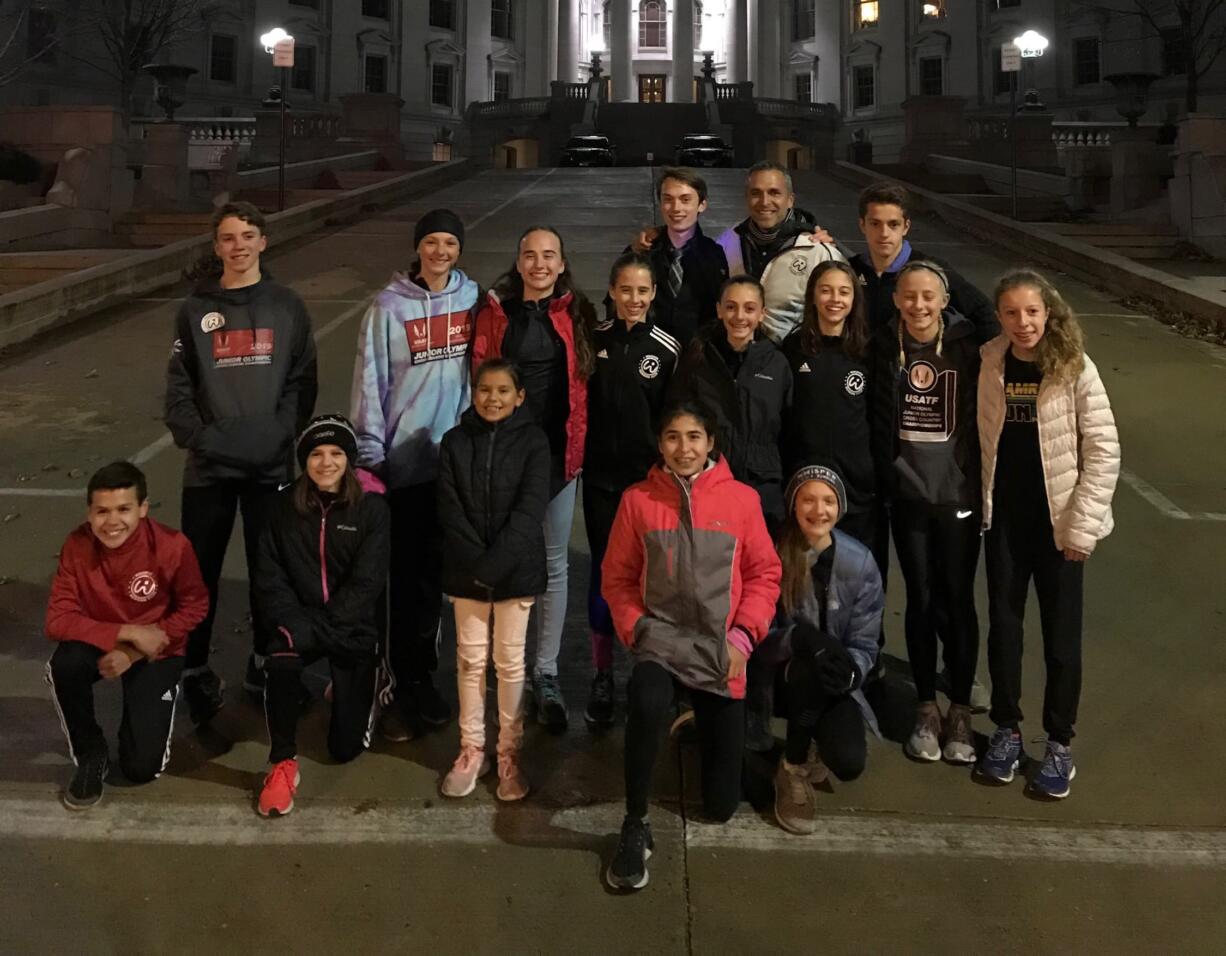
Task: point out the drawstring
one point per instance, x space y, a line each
902 355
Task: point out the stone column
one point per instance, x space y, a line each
622 51
477 48
551 42
568 39
766 27
683 51
738 41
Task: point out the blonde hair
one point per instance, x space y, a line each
1060 354
923 265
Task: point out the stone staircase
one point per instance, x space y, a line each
1136 240
21 269
151 230
637 129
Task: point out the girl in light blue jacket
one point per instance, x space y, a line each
410 385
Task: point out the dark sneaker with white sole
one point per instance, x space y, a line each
550 704
87 784
1004 754
599 712
628 871
1056 773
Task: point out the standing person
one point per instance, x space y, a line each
125 595
927 453
739 374
240 385
826 641
692 579
778 245
635 360
493 491
536 317
322 566
410 385
1051 459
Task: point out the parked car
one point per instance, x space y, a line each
702 149
589 151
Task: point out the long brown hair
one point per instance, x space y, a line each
305 495
510 285
793 548
855 328
1060 354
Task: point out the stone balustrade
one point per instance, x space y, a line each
533 106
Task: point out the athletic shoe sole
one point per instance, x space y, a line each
597 723
615 884
993 778
485 768
958 760
1038 791
273 812
72 804
812 827
920 755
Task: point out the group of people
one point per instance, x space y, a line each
750 420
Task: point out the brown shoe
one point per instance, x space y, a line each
795 801
512 784
959 739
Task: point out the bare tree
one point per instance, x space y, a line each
17 17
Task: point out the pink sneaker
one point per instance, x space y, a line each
277 797
512 784
461 779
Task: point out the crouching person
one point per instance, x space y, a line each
322 565
126 593
691 578
825 643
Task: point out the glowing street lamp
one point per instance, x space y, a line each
281 45
1029 46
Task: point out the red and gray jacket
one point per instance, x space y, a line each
318 576
152 578
490 329
690 566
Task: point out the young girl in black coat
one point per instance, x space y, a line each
493 491
321 566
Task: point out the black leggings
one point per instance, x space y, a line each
415 592
835 722
720 722
939 553
353 699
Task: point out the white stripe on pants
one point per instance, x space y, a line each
473 638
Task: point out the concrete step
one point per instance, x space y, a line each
1029 208
1148 253
1093 230
265 198
357 178
21 269
1137 240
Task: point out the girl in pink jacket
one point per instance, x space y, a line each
1050 458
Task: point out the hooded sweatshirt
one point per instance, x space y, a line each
410 377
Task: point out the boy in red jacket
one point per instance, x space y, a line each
126 593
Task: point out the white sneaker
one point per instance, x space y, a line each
925 740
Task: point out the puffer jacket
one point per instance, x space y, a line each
493 489
1078 444
784 281
686 563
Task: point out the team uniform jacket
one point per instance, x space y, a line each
686 563
784 281
241 382
493 489
319 576
410 377
1078 444
152 578
625 394
704 270
488 332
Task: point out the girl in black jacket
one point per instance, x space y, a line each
321 567
926 446
738 373
493 490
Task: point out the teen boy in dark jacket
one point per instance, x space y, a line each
240 385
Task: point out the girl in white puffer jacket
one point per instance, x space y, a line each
1051 459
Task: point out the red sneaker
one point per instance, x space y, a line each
277 797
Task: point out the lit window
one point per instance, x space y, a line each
934 11
652 27
442 152
867 12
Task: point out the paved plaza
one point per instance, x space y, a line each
908 858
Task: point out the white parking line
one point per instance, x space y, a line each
1164 504
503 205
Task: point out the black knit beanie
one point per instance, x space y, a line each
438 220
328 430
817 473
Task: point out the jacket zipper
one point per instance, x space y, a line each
323 557
489 483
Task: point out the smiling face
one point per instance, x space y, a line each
680 205
768 197
919 297
817 511
114 514
495 396
326 466
833 295
685 445
238 245
1023 317
740 309
438 253
885 227
540 263
632 292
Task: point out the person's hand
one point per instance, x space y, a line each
148 639
737 659
642 242
115 663
821 235
1072 554
836 673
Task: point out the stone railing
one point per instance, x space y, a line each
568 91
325 126
795 109
989 128
534 106
208 137
733 91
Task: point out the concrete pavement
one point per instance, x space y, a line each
910 858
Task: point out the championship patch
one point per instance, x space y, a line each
438 336
143 586
242 347
649 366
853 384
212 322
928 411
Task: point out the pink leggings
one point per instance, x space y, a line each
505 625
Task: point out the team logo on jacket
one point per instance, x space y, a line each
799 265
923 376
143 586
239 347
436 337
649 366
853 384
212 322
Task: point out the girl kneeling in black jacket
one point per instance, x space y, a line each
493 489
321 567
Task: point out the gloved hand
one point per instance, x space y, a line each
808 641
837 673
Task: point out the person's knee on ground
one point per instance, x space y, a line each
719 808
73 662
141 769
345 748
845 764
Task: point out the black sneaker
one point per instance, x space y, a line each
85 790
550 704
204 696
599 712
428 702
628 871
254 679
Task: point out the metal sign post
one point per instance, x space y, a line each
1011 63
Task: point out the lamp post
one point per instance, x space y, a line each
1028 46
281 45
